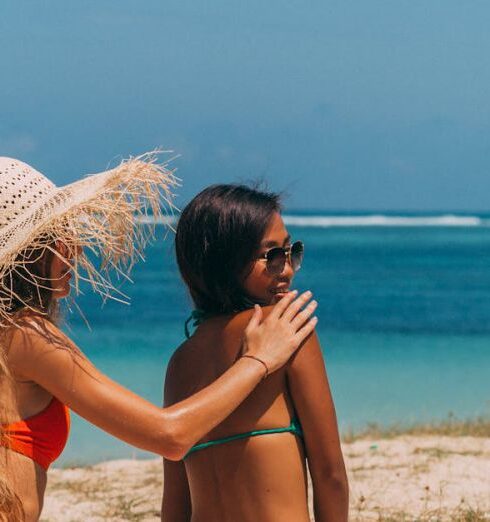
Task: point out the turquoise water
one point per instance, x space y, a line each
404 323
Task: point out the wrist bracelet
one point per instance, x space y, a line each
266 374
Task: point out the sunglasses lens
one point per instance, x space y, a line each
276 260
297 254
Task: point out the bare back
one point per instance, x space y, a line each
257 478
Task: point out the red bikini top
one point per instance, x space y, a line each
41 437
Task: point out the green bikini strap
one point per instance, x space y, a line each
294 428
197 316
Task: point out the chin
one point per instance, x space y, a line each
60 293
262 300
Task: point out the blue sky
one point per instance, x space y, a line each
343 104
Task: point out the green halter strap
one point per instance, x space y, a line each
196 318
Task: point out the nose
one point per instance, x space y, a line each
288 268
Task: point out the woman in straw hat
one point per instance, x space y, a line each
44 232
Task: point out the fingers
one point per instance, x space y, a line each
305 331
255 319
304 315
279 308
296 306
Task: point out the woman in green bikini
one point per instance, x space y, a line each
233 251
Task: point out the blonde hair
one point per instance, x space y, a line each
11 509
42 301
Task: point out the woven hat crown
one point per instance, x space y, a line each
22 189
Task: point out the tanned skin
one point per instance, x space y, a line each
45 363
261 478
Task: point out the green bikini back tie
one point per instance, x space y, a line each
294 428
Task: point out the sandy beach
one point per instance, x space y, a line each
407 477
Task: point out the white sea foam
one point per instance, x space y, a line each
150 220
374 220
448 220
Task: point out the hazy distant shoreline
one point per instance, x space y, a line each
368 219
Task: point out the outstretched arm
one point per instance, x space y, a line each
41 353
314 406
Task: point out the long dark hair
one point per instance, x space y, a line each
218 235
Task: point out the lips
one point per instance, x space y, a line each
282 290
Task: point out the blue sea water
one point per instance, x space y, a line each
404 320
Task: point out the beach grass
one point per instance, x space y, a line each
459 515
449 427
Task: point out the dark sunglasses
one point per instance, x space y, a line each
276 257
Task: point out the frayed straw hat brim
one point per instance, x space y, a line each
99 213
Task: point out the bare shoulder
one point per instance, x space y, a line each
308 351
190 366
34 332
176 374
309 357
238 322
32 336
177 361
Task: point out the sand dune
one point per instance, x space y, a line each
404 478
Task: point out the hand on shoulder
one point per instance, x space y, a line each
274 339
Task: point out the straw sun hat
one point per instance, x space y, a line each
100 212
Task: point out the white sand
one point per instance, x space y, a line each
406 478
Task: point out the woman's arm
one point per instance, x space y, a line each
314 407
46 356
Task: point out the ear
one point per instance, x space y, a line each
67 251
61 247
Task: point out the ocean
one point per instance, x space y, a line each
404 320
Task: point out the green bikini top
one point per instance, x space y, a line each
294 428
197 317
